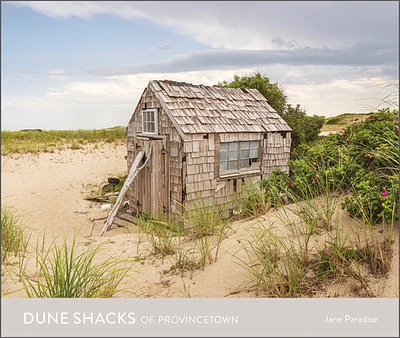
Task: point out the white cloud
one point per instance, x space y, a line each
256 36
109 102
250 25
337 96
58 75
54 9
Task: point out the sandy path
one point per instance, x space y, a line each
48 189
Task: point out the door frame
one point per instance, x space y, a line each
152 181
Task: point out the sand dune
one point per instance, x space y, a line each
48 190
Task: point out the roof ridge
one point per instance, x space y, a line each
178 83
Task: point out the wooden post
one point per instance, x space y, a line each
132 174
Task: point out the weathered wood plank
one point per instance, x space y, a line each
131 176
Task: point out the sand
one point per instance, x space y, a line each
48 191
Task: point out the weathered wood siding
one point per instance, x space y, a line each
206 185
172 142
199 179
175 170
276 152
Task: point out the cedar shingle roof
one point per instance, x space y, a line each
204 109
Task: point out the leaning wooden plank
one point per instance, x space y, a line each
132 174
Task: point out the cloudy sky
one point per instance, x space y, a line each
71 65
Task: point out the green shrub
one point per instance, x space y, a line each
361 160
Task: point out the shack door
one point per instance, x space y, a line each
151 179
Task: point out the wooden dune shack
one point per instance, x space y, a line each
205 141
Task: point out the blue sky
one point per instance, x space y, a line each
71 65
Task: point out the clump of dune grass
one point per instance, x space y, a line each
333 258
375 247
189 240
207 228
37 140
274 264
14 238
253 201
295 260
67 271
161 233
184 259
205 220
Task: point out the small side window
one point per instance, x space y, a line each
149 121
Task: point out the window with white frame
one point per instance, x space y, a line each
149 120
237 155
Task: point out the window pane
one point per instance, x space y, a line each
233 155
244 163
244 145
254 145
233 146
224 146
253 153
223 155
244 154
145 119
223 166
150 116
151 127
232 165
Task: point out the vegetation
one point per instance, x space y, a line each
62 271
34 141
14 239
252 201
362 161
271 91
286 262
190 241
345 119
356 169
304 128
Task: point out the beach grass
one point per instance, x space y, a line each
37 140
14 237
68 271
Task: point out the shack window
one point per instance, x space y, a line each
237 155
149 120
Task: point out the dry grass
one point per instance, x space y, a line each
35 141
